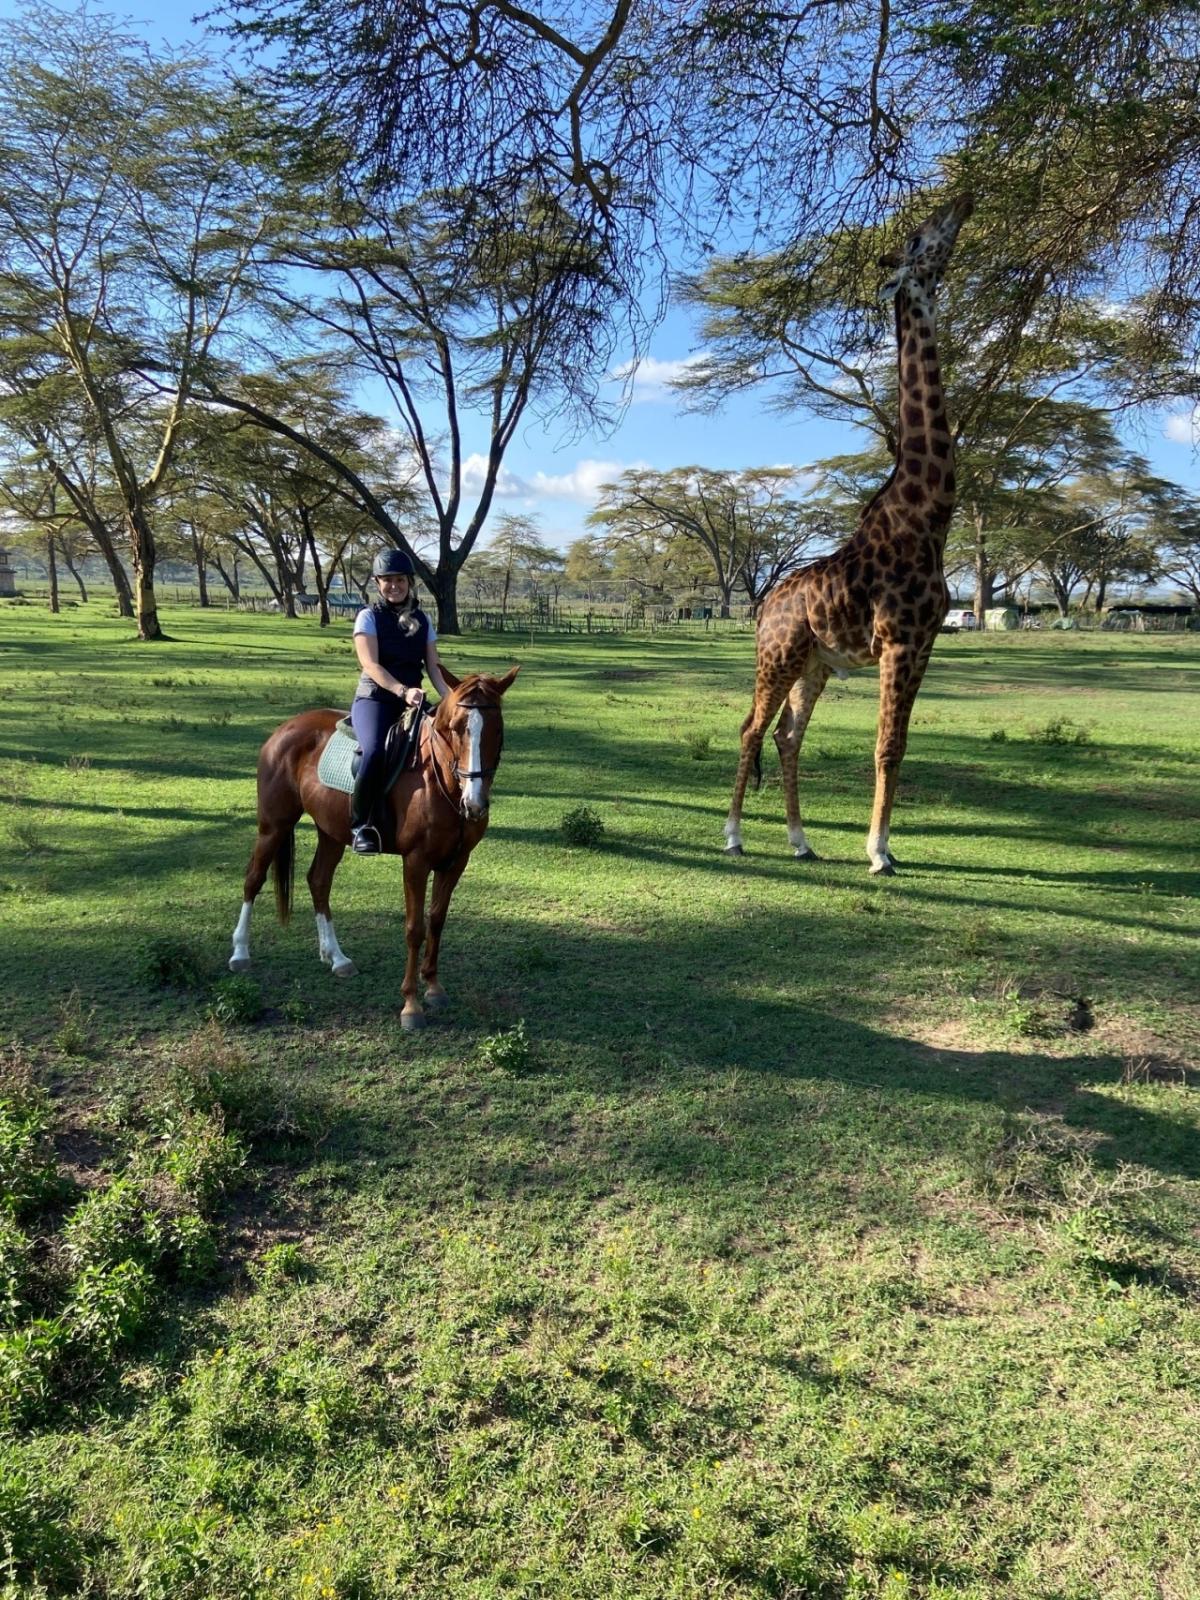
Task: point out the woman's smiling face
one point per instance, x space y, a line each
394 588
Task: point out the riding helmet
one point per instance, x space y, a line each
393 564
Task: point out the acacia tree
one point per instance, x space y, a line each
745 523
129 217
461 316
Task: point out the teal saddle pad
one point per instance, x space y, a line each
336 768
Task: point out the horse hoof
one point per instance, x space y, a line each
436 1001
239 963
412 1021
805 855
346 970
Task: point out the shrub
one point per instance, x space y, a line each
169 964
28 1358
582 826
203 1159
1060 731
112 1225
28 1175
16 1263
699 745
282 1263
108 1305
509 1051
37 1547
237 999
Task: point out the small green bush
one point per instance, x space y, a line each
699 745
282 1263
582 826
108 1305
28 1175
16 1269
28 1359
1060 732
112 1225
169 964
509 1051
203 1158
237 999
38 1551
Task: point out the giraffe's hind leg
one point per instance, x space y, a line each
771 685
789 736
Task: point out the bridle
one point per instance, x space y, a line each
483 772
461 774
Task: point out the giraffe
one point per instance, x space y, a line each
882 596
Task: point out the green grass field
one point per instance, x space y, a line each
746 1228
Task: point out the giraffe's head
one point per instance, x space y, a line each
919 265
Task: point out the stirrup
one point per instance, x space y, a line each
365 841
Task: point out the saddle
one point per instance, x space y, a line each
341 757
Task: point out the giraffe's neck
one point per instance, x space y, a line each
924 447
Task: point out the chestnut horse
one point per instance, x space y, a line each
438 811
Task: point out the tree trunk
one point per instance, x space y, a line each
1101 592
230 582
141 540
52 570
119 576
201 569
74 571
445 592
985 576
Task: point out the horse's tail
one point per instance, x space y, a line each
283 871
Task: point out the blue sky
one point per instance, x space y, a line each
555 478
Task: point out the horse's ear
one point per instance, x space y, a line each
506 681
449 676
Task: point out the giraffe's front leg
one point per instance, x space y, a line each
900 674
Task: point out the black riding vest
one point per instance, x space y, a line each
403 654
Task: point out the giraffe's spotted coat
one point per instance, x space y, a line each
882 596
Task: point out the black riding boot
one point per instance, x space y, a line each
364 834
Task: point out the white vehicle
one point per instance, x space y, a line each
956 620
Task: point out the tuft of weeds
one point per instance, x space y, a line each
282 1263
582 826
699 745
76 764
508 1051
1060 732
237 999
73 1035
28 836
169 963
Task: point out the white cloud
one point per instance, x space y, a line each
508 485
582 483
1183 427
650 379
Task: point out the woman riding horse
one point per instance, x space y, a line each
393 640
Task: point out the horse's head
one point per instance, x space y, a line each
470 721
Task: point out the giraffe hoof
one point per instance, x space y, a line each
346 970
239 963
733 850
412 1021
436 1000
805 855
887 870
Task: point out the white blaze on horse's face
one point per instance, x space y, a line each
474 799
